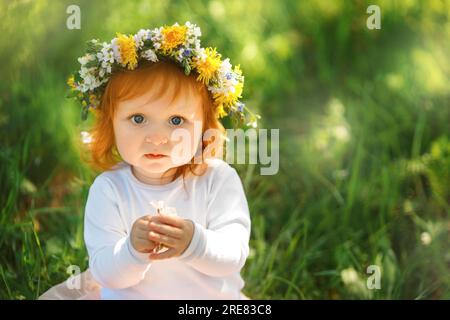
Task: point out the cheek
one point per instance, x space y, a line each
127 142
187 140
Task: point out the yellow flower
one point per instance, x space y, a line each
231 97
237 69
127 47
173 36
94 111
207 66
220 112
71 82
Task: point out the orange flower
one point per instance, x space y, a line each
173 36
208 65
128 54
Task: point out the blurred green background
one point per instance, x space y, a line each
364 140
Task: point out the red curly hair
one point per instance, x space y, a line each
126 84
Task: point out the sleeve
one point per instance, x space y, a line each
113 261
222 248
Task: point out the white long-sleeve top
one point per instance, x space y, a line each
208 269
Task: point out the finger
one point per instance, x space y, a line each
147 217
169 219
161 238
143 245
163 255
143 224
141 233
144 237
166 229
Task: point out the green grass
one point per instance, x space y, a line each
364 142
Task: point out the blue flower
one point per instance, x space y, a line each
240 106
186 52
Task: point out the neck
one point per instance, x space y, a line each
154 178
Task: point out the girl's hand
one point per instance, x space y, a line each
139 235
173 232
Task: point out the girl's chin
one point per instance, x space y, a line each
157 166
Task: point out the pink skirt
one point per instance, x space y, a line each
89 289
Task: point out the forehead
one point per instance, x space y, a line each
163 101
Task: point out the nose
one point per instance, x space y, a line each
156 139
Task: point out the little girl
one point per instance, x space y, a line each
167 218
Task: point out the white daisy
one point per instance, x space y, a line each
116 50
86 58
150 55
141 36
106 54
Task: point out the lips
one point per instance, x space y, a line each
154 155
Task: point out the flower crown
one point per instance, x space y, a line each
180 44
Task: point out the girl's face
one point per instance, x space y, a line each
143 127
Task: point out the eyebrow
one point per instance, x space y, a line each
178 108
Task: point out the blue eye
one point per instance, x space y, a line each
137 119
176 120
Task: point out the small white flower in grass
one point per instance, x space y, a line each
341 133
86 137
425 237
349 276
251 253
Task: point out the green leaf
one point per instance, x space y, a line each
91 64
77 77
71 94
187 68
148 43
93 47
84 113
